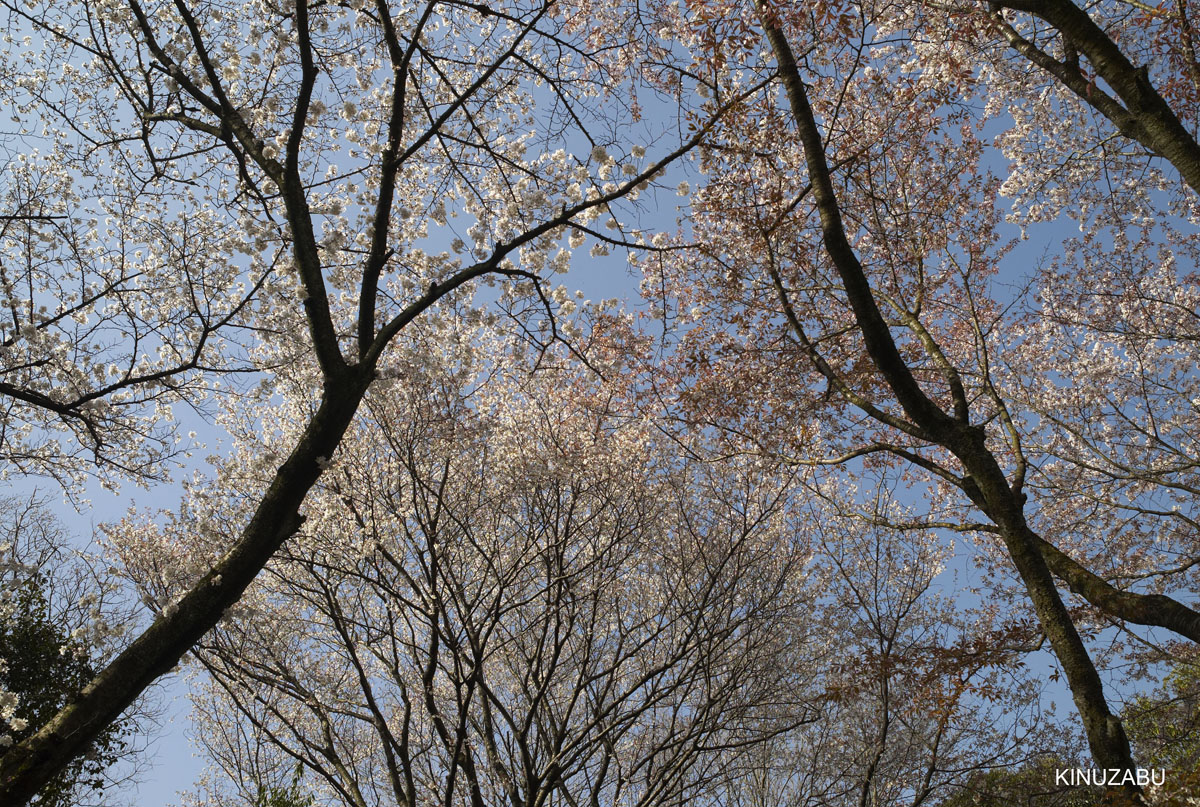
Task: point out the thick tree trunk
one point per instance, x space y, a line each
1142 114
1106 737
28 766
1154 610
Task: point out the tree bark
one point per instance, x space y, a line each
1143 114
1106 736
27 767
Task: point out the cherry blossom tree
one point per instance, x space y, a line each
200 193
278 196
508 591
512 587
850 235
923 688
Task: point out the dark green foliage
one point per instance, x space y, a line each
45 667
290 796
1164 728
